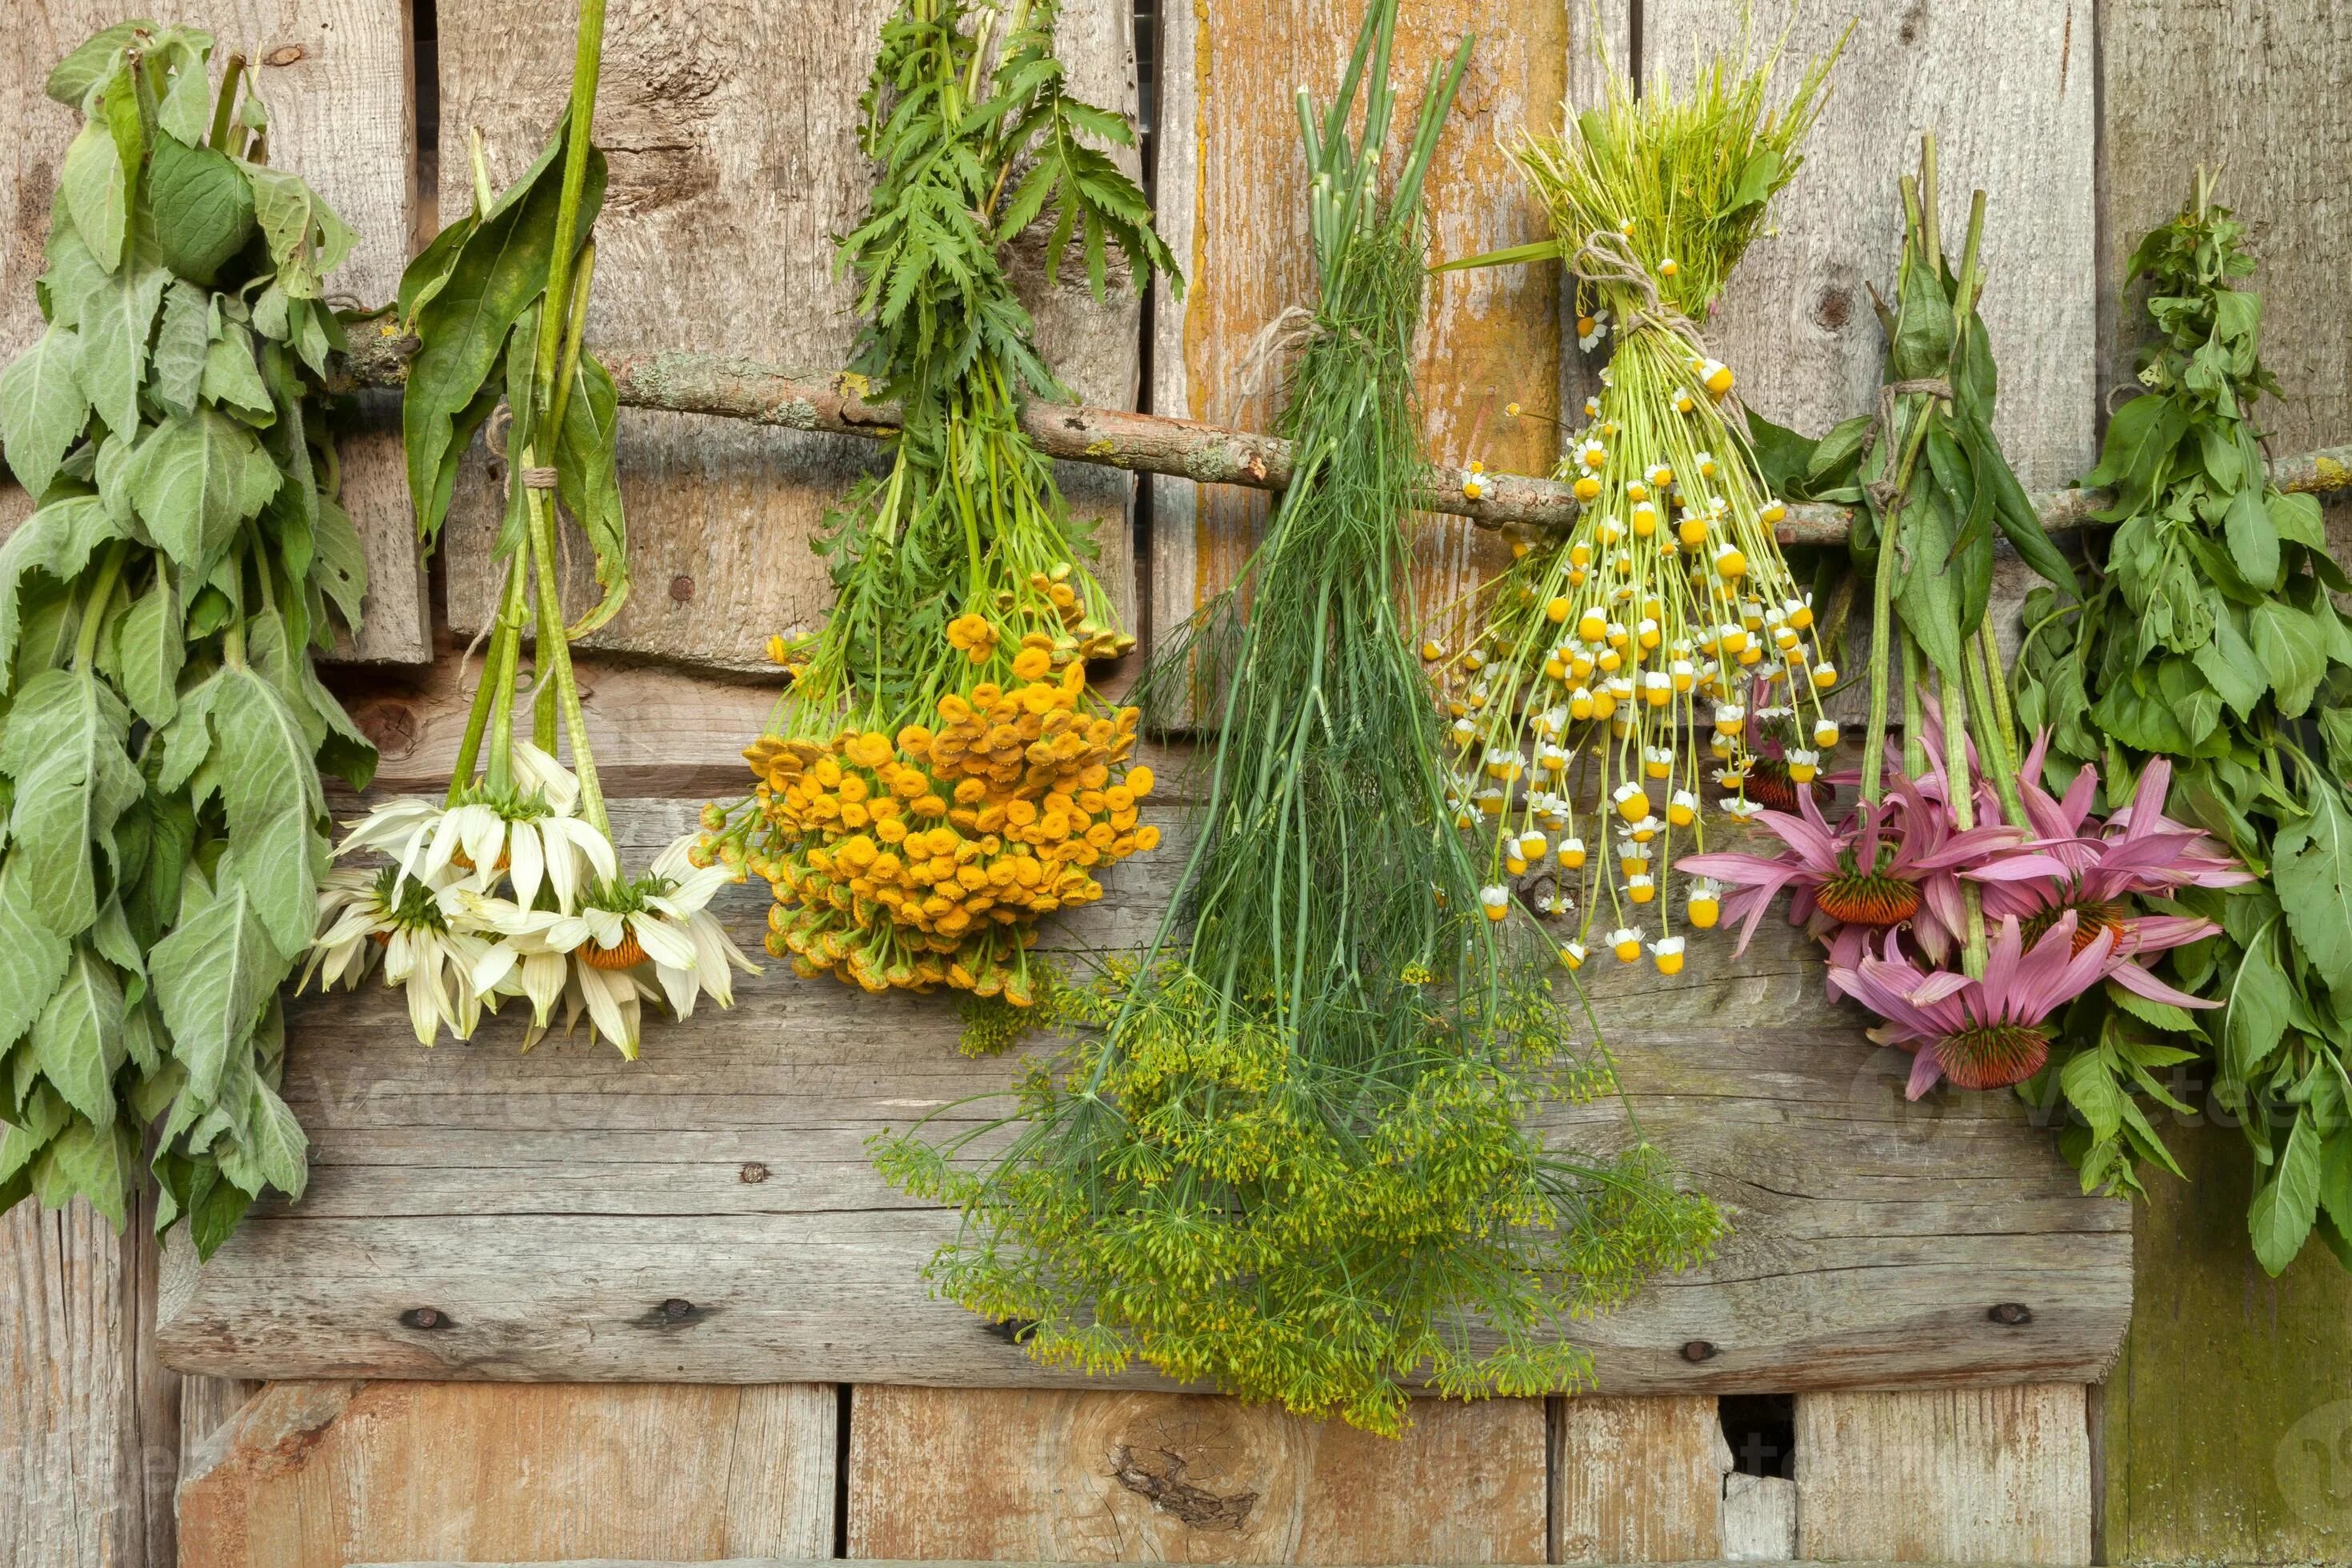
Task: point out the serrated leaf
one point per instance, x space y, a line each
93 189
273 800
339 561
42 407
233 379
2279 1220
97 58
151 651
78 1038
89 1161
202 207
42 1117
185 111
63 747
2291 649
116 321
279 1149
177 362
188 739
2253 538
195 480
588 484
2311 867
2259 1003
212 976
32 961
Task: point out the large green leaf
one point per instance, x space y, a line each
280 1150
184 340
42 407
2311 867
195 479
2253 538
2280 1217
151 652
2260 1001
94 191
273 798
32 959
63 747
212 976
233 379
42 1118
89 1161
2293 649
202 207
98 57
339 561
77 1040
116 321
588 482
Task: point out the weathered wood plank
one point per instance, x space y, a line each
1759 1519
1962 1475
315 1475
335 74
89 1442
1232 199
2008 89
1637 1480
549 1205
1090 1477
730 129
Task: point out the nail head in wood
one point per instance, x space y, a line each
681 589
1697 1350
2016 1314
422 1318
677 1308
752 1173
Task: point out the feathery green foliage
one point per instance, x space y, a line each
164 729
1293 1161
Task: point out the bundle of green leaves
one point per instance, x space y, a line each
1293 1160
2208 635
165 729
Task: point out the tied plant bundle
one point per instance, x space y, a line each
1620 663
2207 646
940 775
1290 1157
165 825
510 886
1959 901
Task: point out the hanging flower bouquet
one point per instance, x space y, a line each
511 885
940 774
1959 900
1619 666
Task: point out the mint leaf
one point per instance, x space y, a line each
42 407
194 480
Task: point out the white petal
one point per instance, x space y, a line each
567 933
607 928
543 975
425 1004
663 943
498 961
605 1010
530 861
679 987
486 836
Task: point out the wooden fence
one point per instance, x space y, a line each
562 1306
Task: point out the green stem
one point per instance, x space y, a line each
1961 789
1883 632
555 653
1997 682
586 61
93 611
225 106
576 326
1915 726
499 684
1995 749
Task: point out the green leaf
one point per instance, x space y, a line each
185 111
2229 664
2311 867
339 561
116 319
194 480
32 961
212 977
588 483
151 651
42 1118
2254 539
2260 1003
58 539
279 1149
181 346
94 192
274 800
233 380
2299 518
98 57
90 1161
202 207
2158 1015
77 1040
2335 1179
2141 437
63 747
2293 650
42 407
2280 1216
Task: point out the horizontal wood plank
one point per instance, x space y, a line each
708 1213
1093 1477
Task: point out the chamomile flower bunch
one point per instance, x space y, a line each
1607 697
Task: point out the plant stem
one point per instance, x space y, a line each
1995 750
499 688
1915 726
1883 631
478 718
586 61
93 610
225 106
555 652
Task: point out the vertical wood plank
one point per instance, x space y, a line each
335 74
731 127
2008 89
1232 199
89 1446
318 1475
1095 1477
1638 1480
1960 1475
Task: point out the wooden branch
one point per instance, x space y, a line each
734 388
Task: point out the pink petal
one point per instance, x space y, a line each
2134 979
1926 1072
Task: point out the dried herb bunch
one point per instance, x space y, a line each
1291 1158
2207 640
165 826
939 773
1617 666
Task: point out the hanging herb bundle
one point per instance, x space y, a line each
512 886
165 729
2011 903
939 775
2207 645
1616 665
1293 1160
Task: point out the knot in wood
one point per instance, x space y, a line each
283 55
2014 1314
1158 1474
1697 1350
426 1318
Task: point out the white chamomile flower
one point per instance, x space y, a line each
1741 809
1591 330
1495 902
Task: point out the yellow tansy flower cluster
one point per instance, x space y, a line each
926 859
